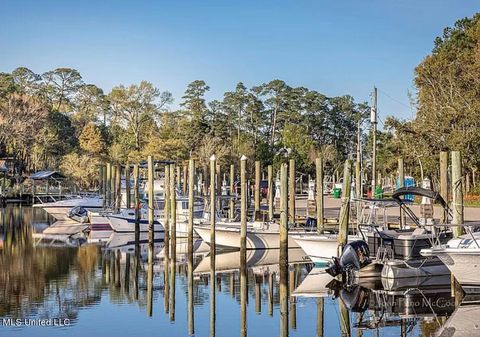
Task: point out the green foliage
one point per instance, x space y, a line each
82 168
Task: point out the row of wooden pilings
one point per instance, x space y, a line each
111 190
110 186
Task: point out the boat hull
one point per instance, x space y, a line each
463 263
229 237
125 225
320 248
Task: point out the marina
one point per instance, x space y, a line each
249 168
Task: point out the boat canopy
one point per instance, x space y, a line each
423 192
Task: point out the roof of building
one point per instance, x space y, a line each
44 175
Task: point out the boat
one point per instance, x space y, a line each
395 253
124 221
260 235
461 256
60 209
315 284
320 248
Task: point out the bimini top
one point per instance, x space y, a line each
45 175
423 192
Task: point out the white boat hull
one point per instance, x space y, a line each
256 239
320 248
125 225
59 209
463 263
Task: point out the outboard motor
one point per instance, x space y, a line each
354 257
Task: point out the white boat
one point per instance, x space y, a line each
321 248
462 257
60 209
260 235
125 222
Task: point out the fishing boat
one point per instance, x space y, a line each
124 221
463 321
461 256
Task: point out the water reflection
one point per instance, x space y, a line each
247 294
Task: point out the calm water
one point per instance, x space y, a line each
102 290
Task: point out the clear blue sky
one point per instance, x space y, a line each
335 47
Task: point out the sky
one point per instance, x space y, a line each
335 47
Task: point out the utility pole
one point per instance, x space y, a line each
373 120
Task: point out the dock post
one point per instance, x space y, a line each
257 188
270 192
150 277
457 192
345 209
108 184
232 192
150 199
243 205
212 203
118 187
283 262
270 293
136 197
191 182
185 179
358 190
320 317
344 320
444 181
291 192
293 300
212 245
401 179
173 214
128 197
319 195
283 215
166 210
113 187
191 200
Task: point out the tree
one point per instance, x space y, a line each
196 111
81 168
60 86
135 106
90 105
91 140
26 81
21 117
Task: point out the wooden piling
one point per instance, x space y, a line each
243 205
112 187
191 200
270 293
212 203
270 192
283 215
128 197
401 178
232 192
258 294
150 268
166 210
173 214
257 187
319 195
150 199
291 192
173 264
185 179
118 188
136 197
344 320
108 185
345 209
320 317
243 291
457 192
293 303
190 304
444 180
358 189
127 273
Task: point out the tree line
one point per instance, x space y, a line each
56 121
